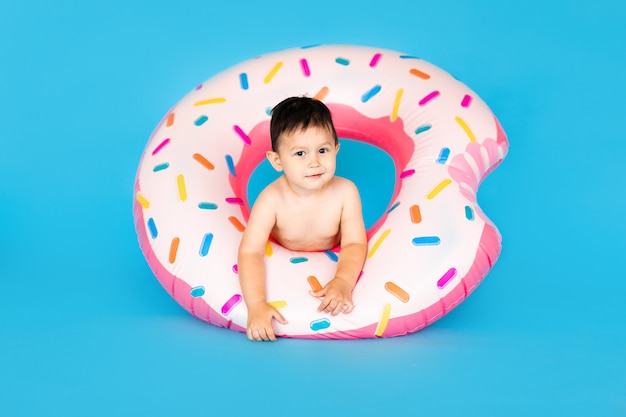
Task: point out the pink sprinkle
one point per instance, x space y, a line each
231 303
236 269
443 281
242 135
234 200
467 100
428 98
198 87
161 145
407 173
375 59
305 67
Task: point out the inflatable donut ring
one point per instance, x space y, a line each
429 250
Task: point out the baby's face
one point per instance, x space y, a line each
307 157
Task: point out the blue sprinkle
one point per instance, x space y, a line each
310 46
197 291
409 57
161 167
200 120
426 240
231 165
268 111
153 230
320 324
206 244
469 213
342 61
298 260
207 206
243 80
371 93
393 207
331 255
443 155
421 129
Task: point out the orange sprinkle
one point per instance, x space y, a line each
398 292
314 283
174 249
321 95
235 222
416 215
419 73
170 120
203 161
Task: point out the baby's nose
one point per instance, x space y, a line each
314 161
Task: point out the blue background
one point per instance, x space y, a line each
86 330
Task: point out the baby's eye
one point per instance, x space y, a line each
300 153
323 150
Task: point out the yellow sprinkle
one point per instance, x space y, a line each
273 72
384 320
210 101
182 190
278 304
466 128
396 105
142 200
443 184
378 242
321 95
268 249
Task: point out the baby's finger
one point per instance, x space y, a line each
338 309
348 308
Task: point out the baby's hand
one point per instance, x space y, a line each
336 297
260 317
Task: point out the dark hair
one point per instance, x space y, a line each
296 113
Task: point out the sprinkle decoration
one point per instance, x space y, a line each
298 259
231 165
206 244
375 60
270 75
331 255
443 184
418 73
466 129
231 303
243 81
142 200
269 251
392 208
200 120
426 241
422 128
182 188
320 324
245 138
170 119
384 320
469 213
396 291
416 215
321 95
160 146
234 200
207 206
278 303
378 242
370 93
428 98
342 61
197 291
203 161
305 67
235 222
396 104
210 101
467 100
160 167
173 250
406 174
443 155
446 278
152 228
314 283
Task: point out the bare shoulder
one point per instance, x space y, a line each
346 187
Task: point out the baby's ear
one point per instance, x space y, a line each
274 160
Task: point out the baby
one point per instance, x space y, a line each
307 208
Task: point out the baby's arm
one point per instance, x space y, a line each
251 264
337 294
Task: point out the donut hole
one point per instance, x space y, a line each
368 166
